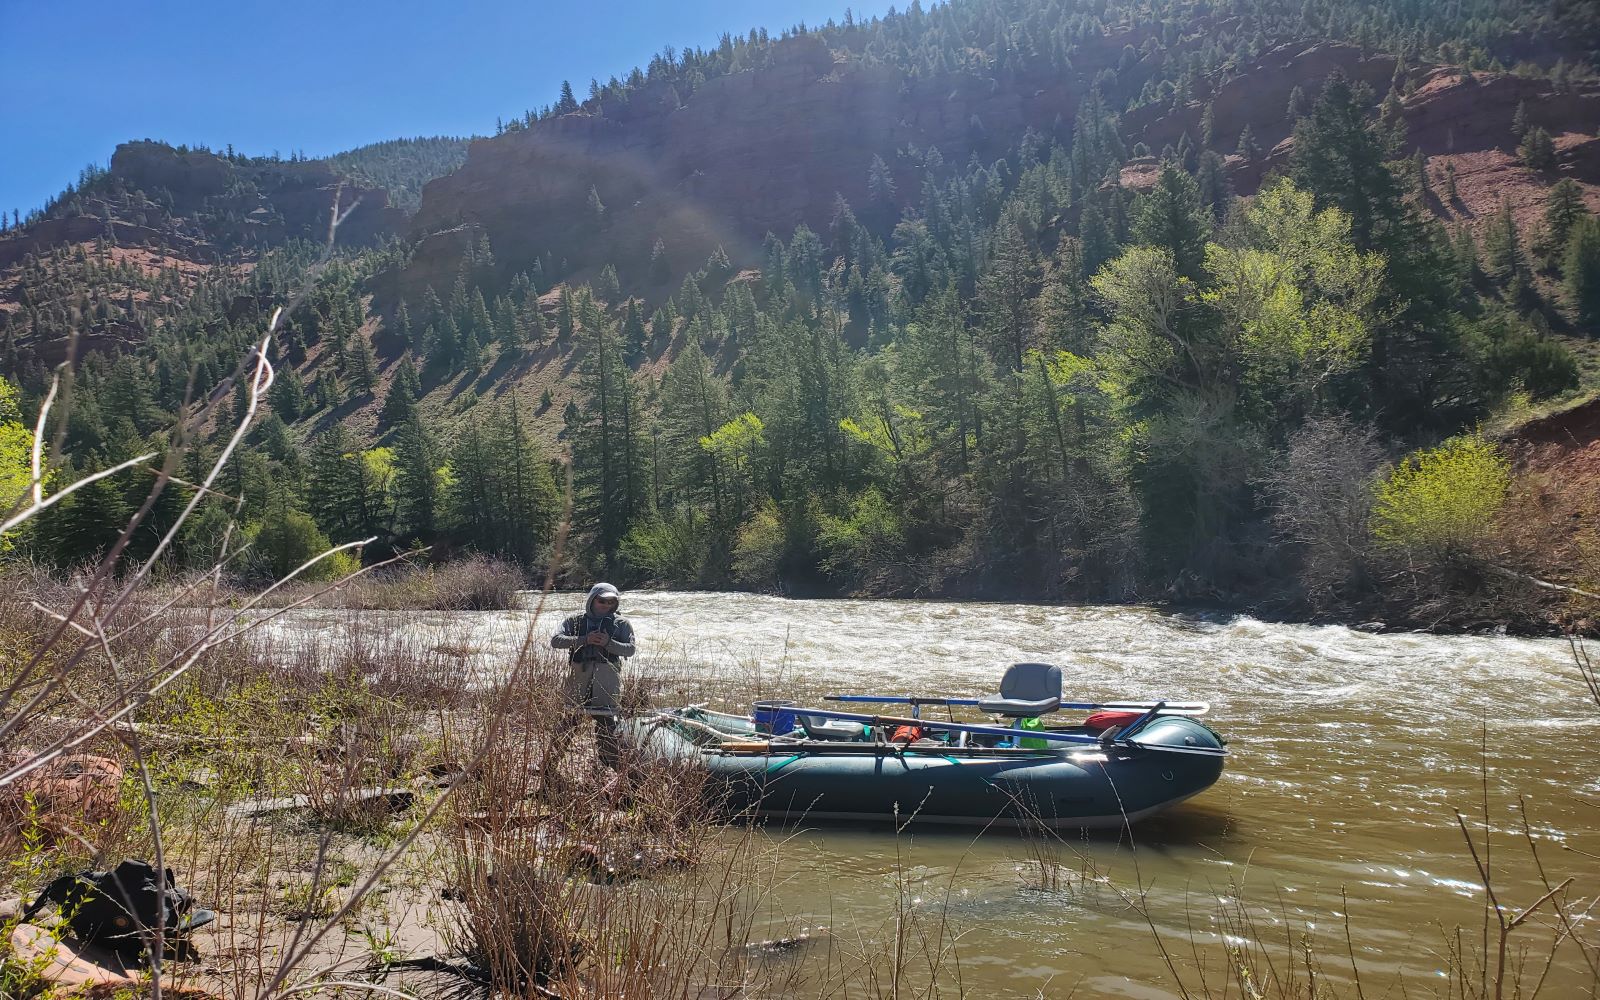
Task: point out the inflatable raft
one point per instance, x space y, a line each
850 767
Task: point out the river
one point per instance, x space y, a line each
1335 817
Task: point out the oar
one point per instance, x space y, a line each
1033 734
1191 708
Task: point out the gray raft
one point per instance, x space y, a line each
939 780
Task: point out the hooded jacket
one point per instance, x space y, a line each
575 629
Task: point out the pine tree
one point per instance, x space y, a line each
608 463
526 500
1419 176
1005 293
1062 307
1502 248
418 459
634 335
597 208
1538 150
1247 144
1171 217
607 287
1343 160
1450 194
1212 178
659 265
565 320
1563 207
1208 126
691 301
335 489
880 182
446 354
288 396
402 324
363 364
567 103
1519 120
1099 243
1580 271
507 329
401 400
1297 104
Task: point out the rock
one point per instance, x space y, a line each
786 945
71 791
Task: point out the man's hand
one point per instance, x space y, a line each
596 638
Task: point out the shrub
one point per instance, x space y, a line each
758 553
1441 501
1323 492
868 537
1514 354
287 538
670 548
1580 269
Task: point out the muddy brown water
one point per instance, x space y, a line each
1351 753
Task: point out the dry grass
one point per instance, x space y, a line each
474 583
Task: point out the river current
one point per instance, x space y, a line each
1335 819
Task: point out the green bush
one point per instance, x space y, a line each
869 536
671 548
287 538
1514 354
1441 501
758 553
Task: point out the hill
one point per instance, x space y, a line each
983 299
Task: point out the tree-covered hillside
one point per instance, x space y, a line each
401 166
1069 367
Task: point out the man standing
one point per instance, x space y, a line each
596 641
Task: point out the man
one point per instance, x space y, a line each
596 641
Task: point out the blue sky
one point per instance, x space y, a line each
78 77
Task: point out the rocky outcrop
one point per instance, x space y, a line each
1258 96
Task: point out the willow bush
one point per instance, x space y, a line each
1441 501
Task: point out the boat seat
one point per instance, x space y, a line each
1027 691
819 727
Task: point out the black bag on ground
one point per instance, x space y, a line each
120 909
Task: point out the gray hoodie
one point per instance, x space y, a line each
573 631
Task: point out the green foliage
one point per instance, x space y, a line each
1580 272
759 548
402 166
736 443
1294 294
16 449
866 540
1442 501
286 538
673 548
1563 208
1538 150
1172 218
1516 357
